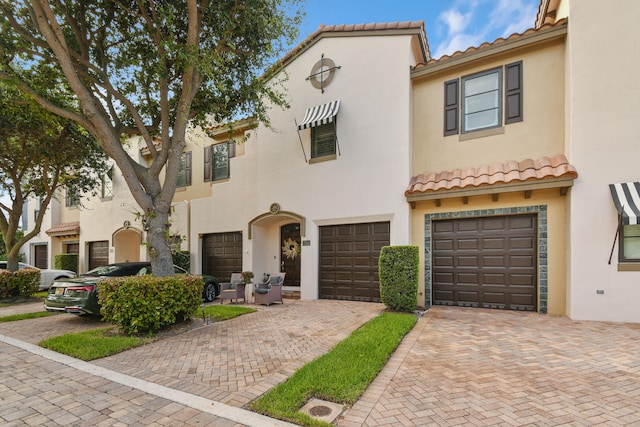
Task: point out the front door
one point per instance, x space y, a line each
290 253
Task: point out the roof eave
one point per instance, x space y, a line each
562 182
554 32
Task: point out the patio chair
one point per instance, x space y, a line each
234 289
270 291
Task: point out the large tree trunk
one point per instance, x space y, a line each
158 246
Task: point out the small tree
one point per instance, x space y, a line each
398 270
40 153
139 67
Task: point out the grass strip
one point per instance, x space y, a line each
97 343
341 375
223 312
23 316
93 344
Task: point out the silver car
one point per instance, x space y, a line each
47 276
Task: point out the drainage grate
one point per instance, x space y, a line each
322 410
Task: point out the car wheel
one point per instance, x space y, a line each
210 292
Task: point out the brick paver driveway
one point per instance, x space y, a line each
479 367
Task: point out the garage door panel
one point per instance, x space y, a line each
494 279
521 242
499 271
443 261
443 245
468 278
467 261
499 261
354 251
468 244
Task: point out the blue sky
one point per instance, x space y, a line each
451 25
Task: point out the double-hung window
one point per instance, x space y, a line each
72 199
323 140
184 174
483 100
481 105
216 161
629 243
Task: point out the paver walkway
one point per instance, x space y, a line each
462 366
458 366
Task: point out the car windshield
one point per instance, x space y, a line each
105 270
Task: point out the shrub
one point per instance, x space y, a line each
147 303
66 262
398 270
22 283
182 259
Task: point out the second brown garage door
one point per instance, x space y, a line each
486 262
349 260
222 254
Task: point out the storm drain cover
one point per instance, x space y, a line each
322 410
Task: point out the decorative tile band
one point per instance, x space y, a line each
541 210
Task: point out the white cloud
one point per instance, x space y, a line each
472 22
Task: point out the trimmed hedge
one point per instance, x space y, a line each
66 262
145 304
398 268
22 283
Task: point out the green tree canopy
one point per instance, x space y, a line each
148 68
39 154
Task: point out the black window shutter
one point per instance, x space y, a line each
187 168
513 93
207 164
451 107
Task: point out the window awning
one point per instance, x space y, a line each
626 197
320 115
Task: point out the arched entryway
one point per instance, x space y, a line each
126 244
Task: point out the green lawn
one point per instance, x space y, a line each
23 316
341 375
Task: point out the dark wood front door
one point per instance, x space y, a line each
486 262
290 253
41 256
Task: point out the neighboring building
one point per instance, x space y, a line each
602 65
106 227
319 193
489 192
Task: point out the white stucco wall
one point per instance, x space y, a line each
364 183
604 61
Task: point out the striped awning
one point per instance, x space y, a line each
626 197
319 115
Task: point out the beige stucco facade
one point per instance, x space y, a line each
603 63
541 133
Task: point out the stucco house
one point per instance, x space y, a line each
317 195
602 58
512 165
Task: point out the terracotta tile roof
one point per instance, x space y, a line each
497 42
359 28
500 173
64 229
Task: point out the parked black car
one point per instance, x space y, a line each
79 295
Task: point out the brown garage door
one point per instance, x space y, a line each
349 260
222 254
98 254
40 256
485 262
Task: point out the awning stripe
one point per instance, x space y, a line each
320 115
626 198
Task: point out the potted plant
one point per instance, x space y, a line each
247 276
